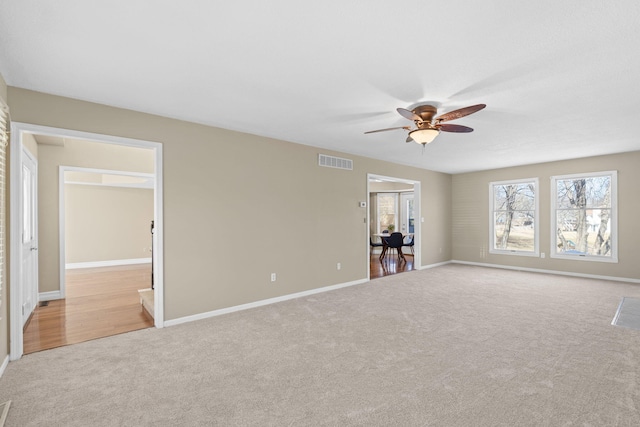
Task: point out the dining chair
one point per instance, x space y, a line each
410 244
394 241
374 245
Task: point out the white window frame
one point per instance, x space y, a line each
613 218
536 219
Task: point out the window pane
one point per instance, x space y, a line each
386 211
584 192
410 215
514 231
514 197
584 231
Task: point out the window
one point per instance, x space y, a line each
514 217
387 203
583 215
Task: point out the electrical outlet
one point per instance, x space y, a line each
542 255
338 266
273 277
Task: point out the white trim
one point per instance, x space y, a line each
438 264
261 303
62 232
50 296
557 272
18 129
108 172
143 185
109 263
4 365
158 240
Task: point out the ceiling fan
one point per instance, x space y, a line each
428 127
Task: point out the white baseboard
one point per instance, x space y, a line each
540 270
110 263
49 296
261 303
424 267
5 362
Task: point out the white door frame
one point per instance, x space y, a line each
15 220
417 212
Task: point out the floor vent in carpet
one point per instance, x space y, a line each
628 314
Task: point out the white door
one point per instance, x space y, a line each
29 235
407 217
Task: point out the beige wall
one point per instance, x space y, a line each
79 154
104 223
234 205
4 294
29 142
471 215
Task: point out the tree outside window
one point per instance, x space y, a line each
584 217
514 220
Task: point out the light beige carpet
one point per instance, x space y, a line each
451 346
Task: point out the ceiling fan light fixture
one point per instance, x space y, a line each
424 136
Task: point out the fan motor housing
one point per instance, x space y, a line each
426 112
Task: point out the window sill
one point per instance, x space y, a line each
591 258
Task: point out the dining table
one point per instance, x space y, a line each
383 238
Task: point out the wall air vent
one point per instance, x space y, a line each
334 162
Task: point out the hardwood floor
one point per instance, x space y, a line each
100 302
389 265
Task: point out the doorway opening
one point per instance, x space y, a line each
80 265
394 206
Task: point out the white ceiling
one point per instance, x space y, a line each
560 78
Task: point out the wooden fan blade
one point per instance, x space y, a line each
384 130
408 114
454 128
456 114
